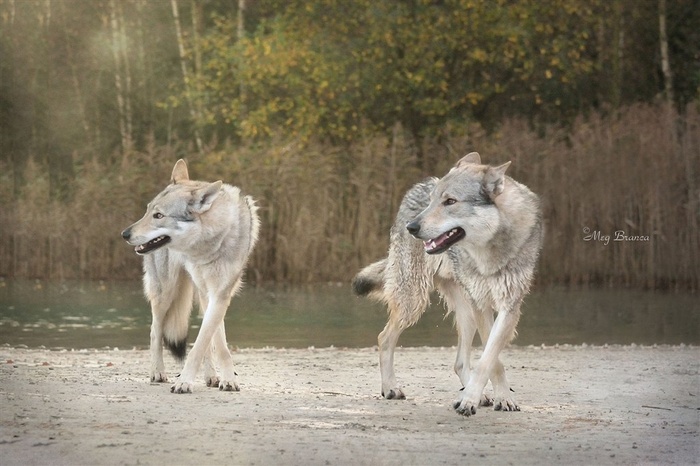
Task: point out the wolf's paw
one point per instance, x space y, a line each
393 394
467 403
181 387
212 381
485 401
229 386
505 404
465 407
159 377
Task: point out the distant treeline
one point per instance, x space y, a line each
621 197
328 110
83 79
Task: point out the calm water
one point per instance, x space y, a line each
96 315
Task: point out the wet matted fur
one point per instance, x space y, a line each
474 236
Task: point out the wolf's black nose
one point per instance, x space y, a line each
413 227
126 234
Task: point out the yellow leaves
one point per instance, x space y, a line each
474 98
389 39
479 55
329 67
414 77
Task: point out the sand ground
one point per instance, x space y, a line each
580 405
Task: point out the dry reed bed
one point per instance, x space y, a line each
327 210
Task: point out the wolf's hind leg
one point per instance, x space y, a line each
387 344
210 376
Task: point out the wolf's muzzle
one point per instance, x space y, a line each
413 227
126 234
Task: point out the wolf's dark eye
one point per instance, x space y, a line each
158 215
449 201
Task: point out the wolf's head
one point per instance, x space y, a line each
463 206
173 213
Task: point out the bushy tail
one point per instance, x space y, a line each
177 348
177 319
370 281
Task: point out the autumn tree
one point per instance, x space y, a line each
335 69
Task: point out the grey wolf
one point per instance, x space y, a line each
475 236
196 236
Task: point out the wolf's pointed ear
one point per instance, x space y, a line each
179 172
472 157
203 198
495 180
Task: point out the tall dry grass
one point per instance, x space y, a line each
326 211
633 174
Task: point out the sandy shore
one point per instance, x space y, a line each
580 405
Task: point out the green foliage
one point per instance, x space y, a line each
339 69
103 75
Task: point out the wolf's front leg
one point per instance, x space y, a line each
213 317
465 320
470 398
227 382
462 367
156 350
503 399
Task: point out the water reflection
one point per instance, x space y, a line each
95 315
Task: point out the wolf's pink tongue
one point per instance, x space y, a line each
444 241
436 243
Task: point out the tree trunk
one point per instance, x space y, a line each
144 75
128 115
186 75
196 8
121 108
240 35
619 54
665 62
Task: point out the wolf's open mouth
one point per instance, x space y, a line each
152 245
444 241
